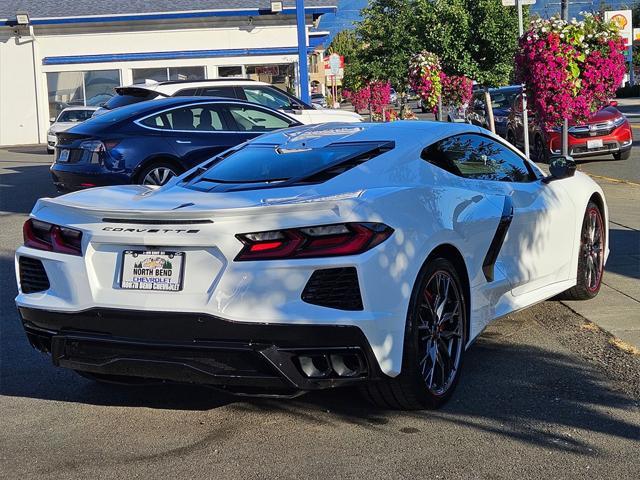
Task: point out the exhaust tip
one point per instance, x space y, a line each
341 364
315 366
347 365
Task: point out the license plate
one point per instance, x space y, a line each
594 144
63 156
152 270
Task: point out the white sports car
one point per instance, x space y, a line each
308 258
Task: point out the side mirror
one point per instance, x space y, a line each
560 167
613 103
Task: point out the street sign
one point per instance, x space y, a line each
335 62
334 66
622 18
512 3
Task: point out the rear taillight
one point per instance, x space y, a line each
110 144
53 238
320 241
95 148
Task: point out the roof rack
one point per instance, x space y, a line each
228 79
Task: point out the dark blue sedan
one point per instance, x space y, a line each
150 142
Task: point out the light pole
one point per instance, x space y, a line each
303 70
564 14
525 113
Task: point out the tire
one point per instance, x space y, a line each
423 382
51 151
591 256
622 155
154 173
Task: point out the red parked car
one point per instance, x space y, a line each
607 132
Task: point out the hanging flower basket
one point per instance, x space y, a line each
424 78
570 69
456 90
374 97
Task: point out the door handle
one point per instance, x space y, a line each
183 141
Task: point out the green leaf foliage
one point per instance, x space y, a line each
476 38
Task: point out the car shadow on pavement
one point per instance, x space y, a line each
522 392
20 187
29 149
508 388
624 258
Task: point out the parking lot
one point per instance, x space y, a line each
544 395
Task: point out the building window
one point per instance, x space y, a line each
281 75
235 71
67 89
140 75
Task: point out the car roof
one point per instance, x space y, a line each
405 133
173 86
127 112
80 107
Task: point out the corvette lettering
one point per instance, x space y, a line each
149 230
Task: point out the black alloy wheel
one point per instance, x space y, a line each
590 256
434 346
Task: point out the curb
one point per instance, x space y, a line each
615 180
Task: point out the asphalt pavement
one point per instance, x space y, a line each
544 394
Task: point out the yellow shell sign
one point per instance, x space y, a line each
620 21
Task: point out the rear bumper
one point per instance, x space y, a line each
73 177
195 348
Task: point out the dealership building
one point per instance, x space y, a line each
74 52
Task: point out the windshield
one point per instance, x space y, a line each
75 116
269 163
130 96
503 99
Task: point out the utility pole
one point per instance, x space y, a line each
303 69
564 14
525 113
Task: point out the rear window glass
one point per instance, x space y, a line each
75 115
503 99
268 163
117 115
130 97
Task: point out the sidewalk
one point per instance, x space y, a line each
617 307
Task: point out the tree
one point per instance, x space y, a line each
345 43
493 40
476 38
389 36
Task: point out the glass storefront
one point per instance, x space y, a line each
280 75
234 71
67 89
167 73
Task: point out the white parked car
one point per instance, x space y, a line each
69 117
308 258
238 88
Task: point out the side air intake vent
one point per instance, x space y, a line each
33 277
334 288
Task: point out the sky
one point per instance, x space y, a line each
349 11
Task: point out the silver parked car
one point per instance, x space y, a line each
68 118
